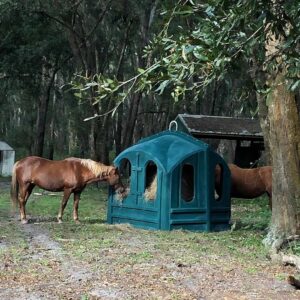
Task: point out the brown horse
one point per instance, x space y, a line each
248 183
70 175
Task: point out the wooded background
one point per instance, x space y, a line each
45 44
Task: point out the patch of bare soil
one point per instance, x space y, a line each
54 274
211 278
51 274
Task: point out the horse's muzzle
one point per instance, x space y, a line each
120 189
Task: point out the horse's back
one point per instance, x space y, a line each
266 176
266 172
40 161
33 161
33 158
250 183
48 174
25 165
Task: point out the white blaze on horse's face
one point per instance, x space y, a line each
115 180
113 177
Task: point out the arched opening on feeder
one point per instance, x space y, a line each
187 182
125 171
218 181
150 191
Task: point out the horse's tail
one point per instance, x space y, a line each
14 187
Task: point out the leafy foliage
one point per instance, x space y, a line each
199 54
205 42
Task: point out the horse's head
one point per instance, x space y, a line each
114 179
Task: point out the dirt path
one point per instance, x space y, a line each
64 277
67 278
131 266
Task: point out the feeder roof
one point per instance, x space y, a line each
167 149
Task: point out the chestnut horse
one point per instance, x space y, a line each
245 183
70 175
248 183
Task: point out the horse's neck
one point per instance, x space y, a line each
90 177
95 169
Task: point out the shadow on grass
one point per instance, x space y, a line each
93 221
49 219
239 224
253 214
39 219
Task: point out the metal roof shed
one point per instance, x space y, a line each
177 158
7 159
247 132
202 126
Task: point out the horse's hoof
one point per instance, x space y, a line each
59 221
77 221
24 221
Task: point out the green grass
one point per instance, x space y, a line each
250 220
116 250
91 205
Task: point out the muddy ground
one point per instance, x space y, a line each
132 265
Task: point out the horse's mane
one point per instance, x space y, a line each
95 167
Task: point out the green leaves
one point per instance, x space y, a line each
162 86
93 88
202 43
295 85
200 54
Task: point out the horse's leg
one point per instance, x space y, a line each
29 191
76 203
269 192
23 192
270 202
266 177
64 202
270 198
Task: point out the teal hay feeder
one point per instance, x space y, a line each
184 170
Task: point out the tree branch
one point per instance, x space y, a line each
152 112
43 13
98 21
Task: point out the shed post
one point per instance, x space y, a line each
207 191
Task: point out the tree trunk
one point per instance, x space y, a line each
265 127
128 130
47 82
284 139
259 78
285 149
92 140
52 123
118 129
135 100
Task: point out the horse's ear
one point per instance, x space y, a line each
113 171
